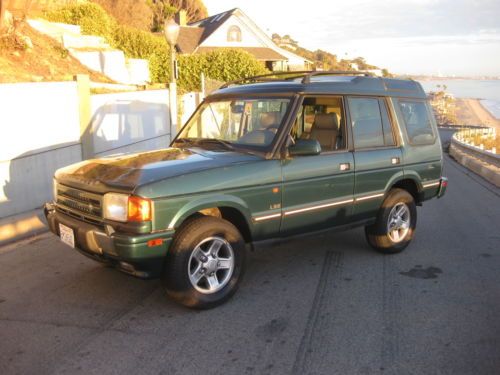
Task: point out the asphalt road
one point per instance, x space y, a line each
320 305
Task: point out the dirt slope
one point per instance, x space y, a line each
46 61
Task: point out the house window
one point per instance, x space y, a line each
234 34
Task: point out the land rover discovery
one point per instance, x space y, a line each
266 157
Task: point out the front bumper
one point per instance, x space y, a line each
140 255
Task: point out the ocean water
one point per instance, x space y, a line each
486 90
493 106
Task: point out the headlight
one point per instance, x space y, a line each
122 207
115 207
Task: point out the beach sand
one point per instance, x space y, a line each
471 112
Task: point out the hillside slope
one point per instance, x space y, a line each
47 60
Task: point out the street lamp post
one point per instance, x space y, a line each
171 31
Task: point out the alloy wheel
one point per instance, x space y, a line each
398 224
211 265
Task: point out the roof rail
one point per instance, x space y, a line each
307 77
305 74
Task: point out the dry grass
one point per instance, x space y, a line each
488 141
46 61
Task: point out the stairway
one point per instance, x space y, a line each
95 53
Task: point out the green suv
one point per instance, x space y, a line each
268 157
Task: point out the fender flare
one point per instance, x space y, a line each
220 200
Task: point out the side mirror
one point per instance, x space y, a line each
304 147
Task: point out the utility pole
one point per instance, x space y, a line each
2 13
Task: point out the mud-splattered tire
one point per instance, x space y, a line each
205 263
395 225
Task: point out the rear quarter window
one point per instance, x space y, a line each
417 122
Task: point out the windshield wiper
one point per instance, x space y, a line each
221 142
214 141
185 140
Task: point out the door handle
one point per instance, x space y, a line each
395 160
345 166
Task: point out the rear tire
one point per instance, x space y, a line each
205 264
395 225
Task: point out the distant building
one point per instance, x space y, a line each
285 41
233 29
354 66
375 72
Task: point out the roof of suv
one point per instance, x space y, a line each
349 83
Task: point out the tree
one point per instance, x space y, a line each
134 13
164 9
195 9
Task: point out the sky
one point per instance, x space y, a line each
431 37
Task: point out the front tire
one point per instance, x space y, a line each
395 225
205 264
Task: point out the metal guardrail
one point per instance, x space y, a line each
461 140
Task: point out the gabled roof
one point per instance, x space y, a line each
189 39
195 33
212 23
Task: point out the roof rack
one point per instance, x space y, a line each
305 74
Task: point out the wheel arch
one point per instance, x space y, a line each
228 208
411 186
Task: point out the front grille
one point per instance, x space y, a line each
79 203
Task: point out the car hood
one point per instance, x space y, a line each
127 172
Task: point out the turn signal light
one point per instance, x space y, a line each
139 209
153 243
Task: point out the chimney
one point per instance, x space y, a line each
181 17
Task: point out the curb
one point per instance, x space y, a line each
21 226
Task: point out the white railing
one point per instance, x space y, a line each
479 143
483 139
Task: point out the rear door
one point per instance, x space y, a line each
377 156
317 190
422 153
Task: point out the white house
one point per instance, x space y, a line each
233 29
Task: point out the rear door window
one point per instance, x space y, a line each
370 123
417 122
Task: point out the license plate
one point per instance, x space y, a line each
67 235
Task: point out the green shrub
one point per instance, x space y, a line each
92 18
230 64
159 68
222 65
190 69
137 43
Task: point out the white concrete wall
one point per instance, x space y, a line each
114 65
189 103
39 133
130 122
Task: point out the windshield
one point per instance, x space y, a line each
232 123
